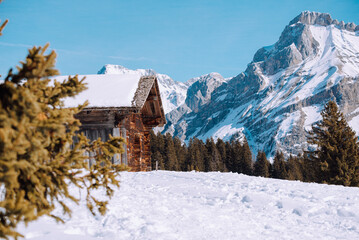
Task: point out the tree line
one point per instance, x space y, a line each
224 156
333 156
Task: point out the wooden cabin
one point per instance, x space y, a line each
125 105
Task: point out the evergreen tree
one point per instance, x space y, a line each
221 146
200 154
309 168
36 132
207 156
160 143
157 157
246 159
236 156
214 158
154 148
153 141
279 169
294 169
170 156
190 156
261 166
196 153
337 151
181 153
229 160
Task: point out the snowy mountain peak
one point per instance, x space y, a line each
308 36
199 93
322 19
206 78
118 69
313 18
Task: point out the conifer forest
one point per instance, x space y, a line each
333 159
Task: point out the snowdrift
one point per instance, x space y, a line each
192 205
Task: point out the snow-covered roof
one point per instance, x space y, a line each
112 90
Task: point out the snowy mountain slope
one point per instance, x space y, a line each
173 93
284 88
193 205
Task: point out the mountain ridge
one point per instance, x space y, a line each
323 19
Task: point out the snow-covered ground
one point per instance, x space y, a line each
192 205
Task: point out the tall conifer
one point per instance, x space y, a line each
261 166
236 156
246 164
213 156
37 164
221 146
180 153
294 168
170 157
229 160
279 169
337 149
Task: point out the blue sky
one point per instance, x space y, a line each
182 39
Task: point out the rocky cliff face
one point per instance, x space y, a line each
282 91
198 95
199 92
322 19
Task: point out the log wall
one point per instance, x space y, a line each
133 125
138 142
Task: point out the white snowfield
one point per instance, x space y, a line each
192 205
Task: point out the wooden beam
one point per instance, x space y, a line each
152 98
159 102
146 118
